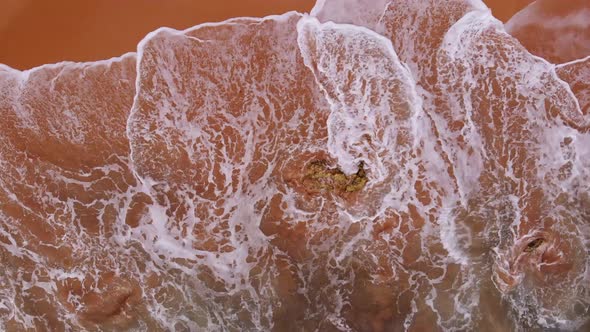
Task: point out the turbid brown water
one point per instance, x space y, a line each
418 170
556 31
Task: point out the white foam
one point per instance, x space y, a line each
357 12
345 60
533 14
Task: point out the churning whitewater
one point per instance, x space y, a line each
371 166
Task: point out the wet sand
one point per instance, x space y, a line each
504 9
557 32
33 33
288 175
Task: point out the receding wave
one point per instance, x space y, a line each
371 166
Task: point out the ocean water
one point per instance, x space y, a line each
368 166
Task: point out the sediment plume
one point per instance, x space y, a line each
369 166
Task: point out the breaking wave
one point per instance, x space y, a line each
371 166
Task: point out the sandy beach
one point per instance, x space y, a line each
34 32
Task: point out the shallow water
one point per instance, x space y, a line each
372 166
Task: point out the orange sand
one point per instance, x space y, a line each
35 32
